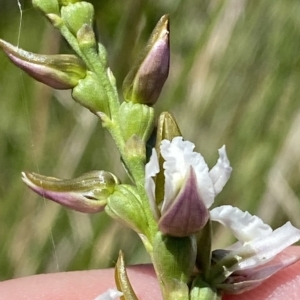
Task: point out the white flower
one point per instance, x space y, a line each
257 255
189 187
110 294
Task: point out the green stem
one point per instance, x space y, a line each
90 56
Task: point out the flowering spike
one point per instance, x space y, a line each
58 71
145 81
87 193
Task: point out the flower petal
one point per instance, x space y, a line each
220 173
151 169
243 225
243 280
179 156
269 246
110 294
260 243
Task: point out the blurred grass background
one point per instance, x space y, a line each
234 79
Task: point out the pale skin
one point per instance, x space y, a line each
86 285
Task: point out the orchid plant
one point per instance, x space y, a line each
168 203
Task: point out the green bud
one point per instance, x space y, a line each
144 82
125 206
202 290
136 119
90 93
60 71
174 261
167 129
77 14
86 193
47 6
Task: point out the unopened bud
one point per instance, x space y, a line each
167 129
144 82
77 14
87 193
90 93
125 205
136 119
60 71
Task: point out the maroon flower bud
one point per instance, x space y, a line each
144 82
87 193
60 71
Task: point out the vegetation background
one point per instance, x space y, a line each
234 80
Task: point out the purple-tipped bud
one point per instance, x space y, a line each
187 213
87 193
145 81
58 71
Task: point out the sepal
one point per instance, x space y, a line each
59 71
187 213
87 193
